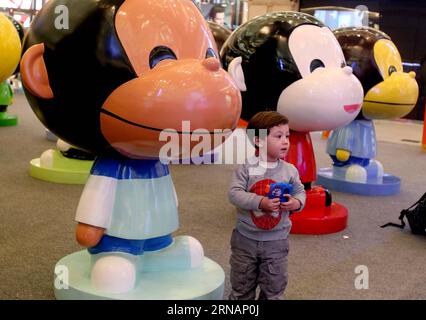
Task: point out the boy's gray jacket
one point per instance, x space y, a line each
251 222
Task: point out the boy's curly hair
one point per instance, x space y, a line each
264 120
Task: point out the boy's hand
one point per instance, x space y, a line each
270 205
292 204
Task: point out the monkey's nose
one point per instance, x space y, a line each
347 70
211 64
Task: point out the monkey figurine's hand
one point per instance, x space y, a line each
342 155
87 235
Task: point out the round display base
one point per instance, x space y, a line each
320 220
63 170
7 120
391 184
203 283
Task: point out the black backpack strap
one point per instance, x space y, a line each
401 217
418 201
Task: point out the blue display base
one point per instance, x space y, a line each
202 283
391 184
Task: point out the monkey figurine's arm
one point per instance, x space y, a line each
341 142
342 155
87 235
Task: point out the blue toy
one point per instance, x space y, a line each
279 190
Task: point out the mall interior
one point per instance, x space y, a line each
90 207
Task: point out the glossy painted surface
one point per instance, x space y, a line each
10 48
389 92
18 26
220 33
204 283
177 25
6 94
153 68
21 32
301 155
358 139
195 90
292 63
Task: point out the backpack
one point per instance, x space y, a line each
416 216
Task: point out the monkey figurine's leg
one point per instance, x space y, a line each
114 272
375 172
356 173
185 252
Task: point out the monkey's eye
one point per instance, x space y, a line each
392 69
210 53
159 54
316 63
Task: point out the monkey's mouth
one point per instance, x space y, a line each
351 108
390 103
195 132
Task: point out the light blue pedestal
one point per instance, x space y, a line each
203 283
391 184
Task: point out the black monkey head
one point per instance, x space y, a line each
291 63
120 71
375 60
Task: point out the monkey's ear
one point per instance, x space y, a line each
237 73
34 72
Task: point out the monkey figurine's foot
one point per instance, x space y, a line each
185 252
375 172
113 273
356 173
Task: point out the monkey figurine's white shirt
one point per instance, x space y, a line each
131 199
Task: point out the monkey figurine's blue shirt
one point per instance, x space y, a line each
131 199
126 169
358 137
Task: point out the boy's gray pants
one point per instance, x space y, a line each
262 263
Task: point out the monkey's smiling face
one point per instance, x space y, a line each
142 66
179 78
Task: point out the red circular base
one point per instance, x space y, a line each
320 220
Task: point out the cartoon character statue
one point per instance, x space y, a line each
121 75
389 92
292 63
10 53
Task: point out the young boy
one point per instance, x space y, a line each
259 243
